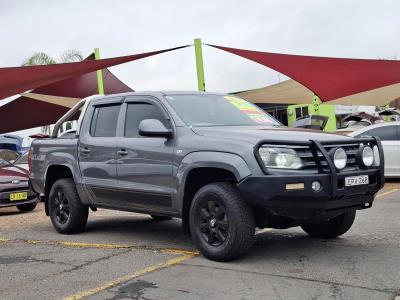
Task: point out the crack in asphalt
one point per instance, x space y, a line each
91 262
74 268
8 260
388 291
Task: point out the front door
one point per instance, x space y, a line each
144 164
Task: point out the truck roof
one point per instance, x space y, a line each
157 94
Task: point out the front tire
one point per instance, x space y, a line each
67 213
333 228
221 222
26 207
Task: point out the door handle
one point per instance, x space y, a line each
122 152
85 150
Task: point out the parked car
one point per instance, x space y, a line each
218 162
389 133
14 188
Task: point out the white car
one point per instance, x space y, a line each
389 133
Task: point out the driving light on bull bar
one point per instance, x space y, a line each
367 156
316 186
280 158
339 158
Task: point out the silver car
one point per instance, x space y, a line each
389 133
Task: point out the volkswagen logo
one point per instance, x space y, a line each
16 181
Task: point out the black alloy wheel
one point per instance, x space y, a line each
221 222
67 213
61 207
214 224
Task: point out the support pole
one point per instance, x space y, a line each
99 73
201 85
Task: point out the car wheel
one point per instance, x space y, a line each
67 213
160 218
332 228
221 222
26 207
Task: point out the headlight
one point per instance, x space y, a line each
339 158
367 156
280 158
377 158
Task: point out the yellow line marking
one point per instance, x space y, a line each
100 246
78 244
123 279
179 251
387 193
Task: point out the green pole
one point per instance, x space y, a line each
201 85
99 73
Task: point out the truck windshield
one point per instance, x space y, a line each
218 110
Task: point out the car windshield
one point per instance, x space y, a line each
218 110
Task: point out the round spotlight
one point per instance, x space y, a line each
339 158
316 186
367 156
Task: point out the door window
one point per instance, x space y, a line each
104 121
385 133
137 112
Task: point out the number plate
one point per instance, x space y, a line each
356 180
18 196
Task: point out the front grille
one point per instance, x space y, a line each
310 163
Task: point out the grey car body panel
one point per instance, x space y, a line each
151 176
57 152
207 159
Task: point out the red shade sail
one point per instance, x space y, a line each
329 78
23 112
15 80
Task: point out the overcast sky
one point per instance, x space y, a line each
326 28
362 29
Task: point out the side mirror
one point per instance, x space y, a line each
153 128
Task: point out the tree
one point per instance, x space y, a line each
42 58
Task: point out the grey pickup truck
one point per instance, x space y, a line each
216 161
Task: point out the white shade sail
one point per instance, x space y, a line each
292 92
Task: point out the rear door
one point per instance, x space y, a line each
144 165
97 150
390 137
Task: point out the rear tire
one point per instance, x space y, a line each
332 228
160 218
67 213
26 207
221 222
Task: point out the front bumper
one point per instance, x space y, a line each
5 198
270 191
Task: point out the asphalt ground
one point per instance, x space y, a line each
130 256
